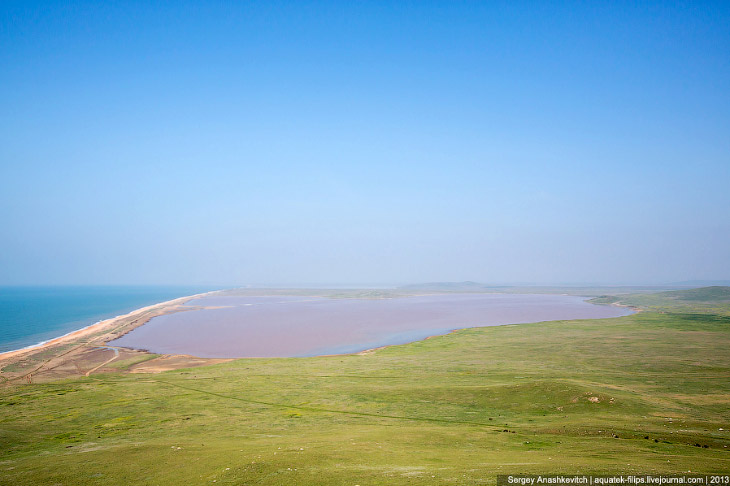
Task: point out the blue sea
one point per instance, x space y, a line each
30 315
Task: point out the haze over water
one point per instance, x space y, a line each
238 327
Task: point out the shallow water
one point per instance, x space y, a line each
30 315
305 326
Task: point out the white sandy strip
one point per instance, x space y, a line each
107 324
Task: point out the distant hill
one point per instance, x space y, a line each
528 288
701 283
444 286
703 300
703 294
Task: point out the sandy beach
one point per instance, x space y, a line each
85 348
219 325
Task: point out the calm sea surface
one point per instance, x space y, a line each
233 327
29 315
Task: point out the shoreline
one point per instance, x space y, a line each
586 299
86 350
635 310
99 324
96 327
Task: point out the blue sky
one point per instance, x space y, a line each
235 143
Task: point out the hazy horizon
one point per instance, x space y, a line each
386 285
314 143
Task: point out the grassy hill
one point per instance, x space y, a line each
703 294
712 300
647 393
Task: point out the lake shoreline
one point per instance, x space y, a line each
92 349
97 327
264 326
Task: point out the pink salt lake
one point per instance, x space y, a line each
238 326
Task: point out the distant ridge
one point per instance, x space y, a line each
461 286
701 283
702 294
530 288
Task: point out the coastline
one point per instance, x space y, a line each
86 350
151 344
634 310
106 325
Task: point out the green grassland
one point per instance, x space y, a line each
707 300
644 393
124 364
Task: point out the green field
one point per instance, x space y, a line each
709 300
639 394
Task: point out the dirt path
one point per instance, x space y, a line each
116 355
84 339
